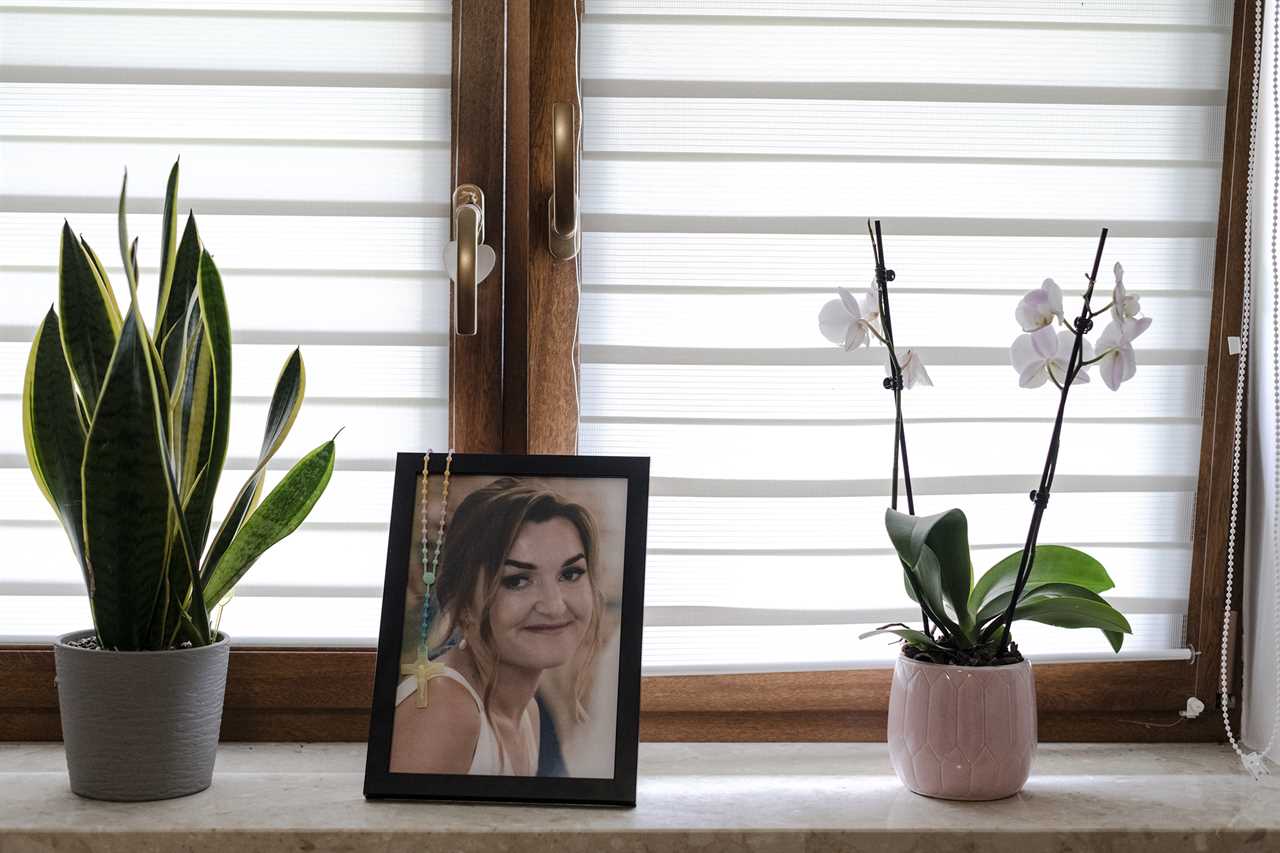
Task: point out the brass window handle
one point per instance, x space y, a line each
467 259
564 231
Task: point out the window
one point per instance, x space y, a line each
732 150
315 152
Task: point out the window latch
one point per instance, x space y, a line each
564 226
466 258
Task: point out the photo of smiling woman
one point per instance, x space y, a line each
524 627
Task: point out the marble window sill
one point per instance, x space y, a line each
711 797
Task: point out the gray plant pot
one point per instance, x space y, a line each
140 725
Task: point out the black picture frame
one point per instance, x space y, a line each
379 781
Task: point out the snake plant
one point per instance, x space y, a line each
126 432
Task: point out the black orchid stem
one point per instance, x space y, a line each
894 381
1040 496
894 384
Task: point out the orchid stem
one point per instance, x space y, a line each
1041 495
895 383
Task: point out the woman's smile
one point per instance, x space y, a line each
549 629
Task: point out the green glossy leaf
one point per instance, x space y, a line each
1053 564
168 245
910 635
950 573
286 400
54 434
129 493
88 318
281 512
171 329
1082 609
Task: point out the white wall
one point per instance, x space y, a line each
1259 647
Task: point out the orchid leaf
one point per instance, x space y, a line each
950 573
1053 564
1078 609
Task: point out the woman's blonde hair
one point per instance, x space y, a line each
480 537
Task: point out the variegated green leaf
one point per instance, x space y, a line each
285 403
127 257
175 305
129 493
284 508
168 245
53 432
210 399
89 321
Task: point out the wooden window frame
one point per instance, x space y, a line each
515 390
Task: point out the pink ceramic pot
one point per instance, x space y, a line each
962 732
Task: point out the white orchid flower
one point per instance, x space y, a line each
1119 363
871 305
1124 306
840 321
913 372
1045 354
1038 308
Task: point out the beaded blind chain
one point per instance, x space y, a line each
1255 762
424 669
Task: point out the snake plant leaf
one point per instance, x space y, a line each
122 227
88 318
210 345
168 243
54 434
946 535
171 330
280 513
1053 564
1078 608
286 401
128 493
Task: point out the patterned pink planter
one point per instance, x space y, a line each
962 733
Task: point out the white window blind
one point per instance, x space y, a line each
314 142
732 152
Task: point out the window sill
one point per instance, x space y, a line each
764 797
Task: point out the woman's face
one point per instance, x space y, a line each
544 600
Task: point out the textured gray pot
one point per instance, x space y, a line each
140 725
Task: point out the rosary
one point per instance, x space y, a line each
424 668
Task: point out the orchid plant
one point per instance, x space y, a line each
963 622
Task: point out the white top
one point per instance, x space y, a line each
488 759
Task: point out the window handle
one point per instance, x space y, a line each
467 259
564 234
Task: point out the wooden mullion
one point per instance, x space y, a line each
553 298
515 370
478 98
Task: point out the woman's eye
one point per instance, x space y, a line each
515 582
572 573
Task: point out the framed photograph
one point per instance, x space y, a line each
509 652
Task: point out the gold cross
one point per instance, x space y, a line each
424 670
